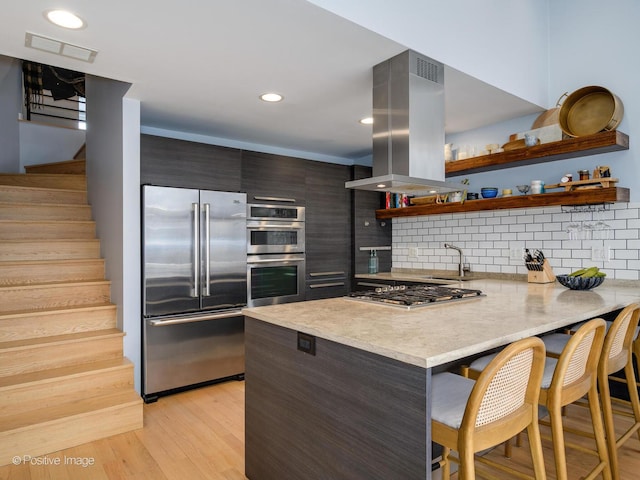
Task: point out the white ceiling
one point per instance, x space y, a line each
198 67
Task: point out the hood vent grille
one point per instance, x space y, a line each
427 70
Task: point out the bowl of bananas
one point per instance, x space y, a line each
583 279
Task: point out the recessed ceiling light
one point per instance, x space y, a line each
381 185
366 121
271 97
64 19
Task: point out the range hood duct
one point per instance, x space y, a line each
408 127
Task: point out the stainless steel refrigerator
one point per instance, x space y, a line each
194 287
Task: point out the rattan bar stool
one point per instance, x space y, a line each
470 416
565 380
616 356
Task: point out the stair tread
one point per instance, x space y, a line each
44 376
31 189
55 222
45 205
56 310
75 261
77 283
66 338
56 240
61 162
75 407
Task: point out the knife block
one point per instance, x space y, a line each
545 275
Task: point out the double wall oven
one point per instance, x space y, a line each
275 254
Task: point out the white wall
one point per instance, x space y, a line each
10 102
502 42
113 177
591 43
596 43
47 143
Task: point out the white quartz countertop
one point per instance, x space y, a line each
441 333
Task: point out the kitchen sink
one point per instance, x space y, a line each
455 278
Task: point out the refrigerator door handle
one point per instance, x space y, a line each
207 251
199 318
196 253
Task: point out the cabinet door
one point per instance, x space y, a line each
328 228
178 163
367 230
266 176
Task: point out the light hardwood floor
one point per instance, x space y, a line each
199 434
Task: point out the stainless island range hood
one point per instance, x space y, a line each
408 127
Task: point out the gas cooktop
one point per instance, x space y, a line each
409 297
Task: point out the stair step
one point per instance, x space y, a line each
41 229
46 180
27 194
49 249
44 211
14 298
58 321
37 354
48 388
67 425
51 271
73 167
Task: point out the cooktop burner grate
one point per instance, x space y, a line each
414 296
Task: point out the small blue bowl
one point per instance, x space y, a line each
489 192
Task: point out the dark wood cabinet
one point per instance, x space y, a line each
178 163
328 230
278 179
267 177
368 231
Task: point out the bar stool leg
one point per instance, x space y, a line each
535 445
598 430
633 393
557 436
446 466
507 448
467 469
610 434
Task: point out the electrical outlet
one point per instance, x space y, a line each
413 252
600 254
516 253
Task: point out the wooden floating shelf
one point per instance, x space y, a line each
592 183
576 197
602 142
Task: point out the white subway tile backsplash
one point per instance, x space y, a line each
631 234
524 236
628 213
489 238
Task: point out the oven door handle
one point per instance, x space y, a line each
279 226
275 260
275 199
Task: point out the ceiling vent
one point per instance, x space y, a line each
58 47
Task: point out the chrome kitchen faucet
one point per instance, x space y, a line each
459 250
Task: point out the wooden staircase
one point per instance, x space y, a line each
63 378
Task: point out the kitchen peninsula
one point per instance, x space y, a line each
338 388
